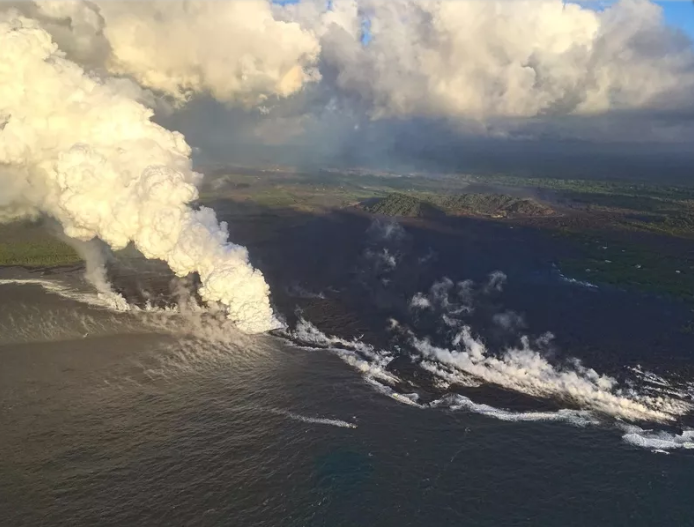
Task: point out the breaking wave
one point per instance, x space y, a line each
467 363
27 324
573 281
658 440
460 402
522 370
526 371
599 398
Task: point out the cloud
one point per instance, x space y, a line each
235 51
432 77
458 59
437 78
480 59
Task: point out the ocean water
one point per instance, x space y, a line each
158 418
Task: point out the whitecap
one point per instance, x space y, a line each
314 420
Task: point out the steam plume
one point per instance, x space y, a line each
95 256
83 151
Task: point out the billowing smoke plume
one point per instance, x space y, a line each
83 151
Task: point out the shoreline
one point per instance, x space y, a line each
17 271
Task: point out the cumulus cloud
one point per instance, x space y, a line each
321 70
481 59
458 59
435 76
236 51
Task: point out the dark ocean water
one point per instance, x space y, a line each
120 419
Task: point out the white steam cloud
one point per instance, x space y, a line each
86 153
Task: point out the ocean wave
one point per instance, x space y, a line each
581 283
459 402
25 324
573 281
522 370
366 359
313 420
205 323
112 301
410 399
658 440
527 371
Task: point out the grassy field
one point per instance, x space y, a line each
662 209
431 205
631 265
30 245
589 186
37 255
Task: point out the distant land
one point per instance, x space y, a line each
491 205
627 234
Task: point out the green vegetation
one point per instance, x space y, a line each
633 266
623 205
495 205
678 223
37 254
498 205
589 212
402 205
663 209
31 245
589 186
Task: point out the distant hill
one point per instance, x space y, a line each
496 205
403 205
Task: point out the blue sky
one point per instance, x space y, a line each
680 13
